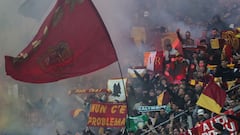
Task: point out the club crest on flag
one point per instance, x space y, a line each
56 57
117 87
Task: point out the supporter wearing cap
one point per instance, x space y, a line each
200 116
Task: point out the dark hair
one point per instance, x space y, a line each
163 29
188 32
167 41
218 126
215 29
216 17
203 41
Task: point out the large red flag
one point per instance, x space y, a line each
72 41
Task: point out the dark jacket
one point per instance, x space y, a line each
224 132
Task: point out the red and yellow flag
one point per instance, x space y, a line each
163 98
212 98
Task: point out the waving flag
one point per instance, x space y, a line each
212 98
153 61
72 41
134 123
163 98
206 127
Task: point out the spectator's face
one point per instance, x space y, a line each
174 107
175 88
183 86
201 63
200 117
187 34
187 97
211 57
198 87
202 52
151 93
162 112
181 92
179 58
156 114
163 82
176 132
214 32
224 63
231 103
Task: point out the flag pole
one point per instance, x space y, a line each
120 70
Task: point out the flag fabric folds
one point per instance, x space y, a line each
134 123
212 98
178 46
153 61
163 98
72 41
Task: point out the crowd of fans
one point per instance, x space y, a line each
186 71
183 78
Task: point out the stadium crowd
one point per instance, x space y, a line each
185 70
